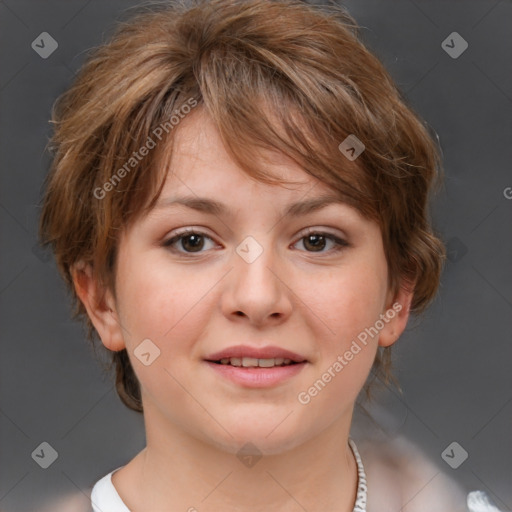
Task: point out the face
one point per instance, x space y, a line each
304 284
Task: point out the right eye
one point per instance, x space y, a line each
191 242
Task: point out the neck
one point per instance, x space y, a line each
178 471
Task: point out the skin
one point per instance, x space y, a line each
312 302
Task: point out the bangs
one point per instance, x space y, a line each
296 115
275 123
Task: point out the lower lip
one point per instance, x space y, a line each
257 377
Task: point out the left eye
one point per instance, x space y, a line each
318 240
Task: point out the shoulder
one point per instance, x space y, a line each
401 477
102 496
76 502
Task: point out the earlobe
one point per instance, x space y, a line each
398 314
100 305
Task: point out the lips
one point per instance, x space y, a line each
258 368
245 351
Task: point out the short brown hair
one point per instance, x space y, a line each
277 75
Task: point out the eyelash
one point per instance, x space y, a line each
340 244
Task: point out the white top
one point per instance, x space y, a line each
105 498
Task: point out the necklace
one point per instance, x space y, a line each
362 487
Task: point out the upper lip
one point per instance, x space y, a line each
268 352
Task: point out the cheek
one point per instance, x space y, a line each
341 307
345 301
347 306
157 302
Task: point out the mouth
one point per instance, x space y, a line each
252 367
251 362
245 356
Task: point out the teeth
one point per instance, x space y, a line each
251 362
266 363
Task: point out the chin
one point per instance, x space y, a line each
262 439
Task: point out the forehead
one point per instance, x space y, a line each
200 164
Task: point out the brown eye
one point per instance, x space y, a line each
317 241
187 243
192 243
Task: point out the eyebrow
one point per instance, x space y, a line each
210 206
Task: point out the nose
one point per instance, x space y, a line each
256 290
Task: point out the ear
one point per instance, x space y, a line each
100 305
397 314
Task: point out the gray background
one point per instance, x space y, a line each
454 365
